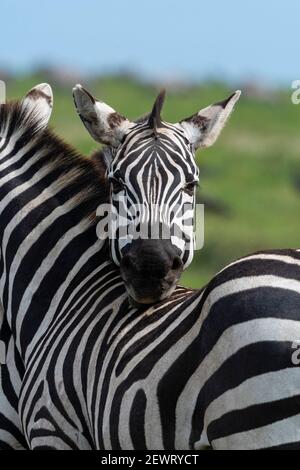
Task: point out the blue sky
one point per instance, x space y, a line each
230 40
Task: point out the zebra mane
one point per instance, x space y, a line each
154 120
13 115
82 175
142 119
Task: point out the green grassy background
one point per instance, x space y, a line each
254 168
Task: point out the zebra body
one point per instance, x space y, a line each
209 367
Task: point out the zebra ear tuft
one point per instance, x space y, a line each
39 103
103 123
154 121
203 128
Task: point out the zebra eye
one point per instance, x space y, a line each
117 185
189 188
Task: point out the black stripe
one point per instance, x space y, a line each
259 267
143 369
5 446
254 417
12 429
250 361
44 414
137 420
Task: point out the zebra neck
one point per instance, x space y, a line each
48 199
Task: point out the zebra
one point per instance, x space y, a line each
209 367
12 366
153 170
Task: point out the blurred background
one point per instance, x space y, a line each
124 52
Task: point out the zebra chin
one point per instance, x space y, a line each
139 299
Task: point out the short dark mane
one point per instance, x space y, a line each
17 115
90 172
80 173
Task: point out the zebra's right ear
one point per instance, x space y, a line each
103 123
203 128
39 103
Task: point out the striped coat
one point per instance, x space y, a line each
206 367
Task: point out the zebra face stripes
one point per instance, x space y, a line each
153 181
153 176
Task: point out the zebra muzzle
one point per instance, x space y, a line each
150 270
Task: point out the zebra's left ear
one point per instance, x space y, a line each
39 103
203 128
103 123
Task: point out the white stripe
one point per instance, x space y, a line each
255 391
31 238
15 193
231 341
152 418
47 320
54 340
46 264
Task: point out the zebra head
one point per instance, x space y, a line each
153 174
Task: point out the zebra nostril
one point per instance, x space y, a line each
177 263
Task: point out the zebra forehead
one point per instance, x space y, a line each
139 142
142 129
12 114
150 149
154 171
155 161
